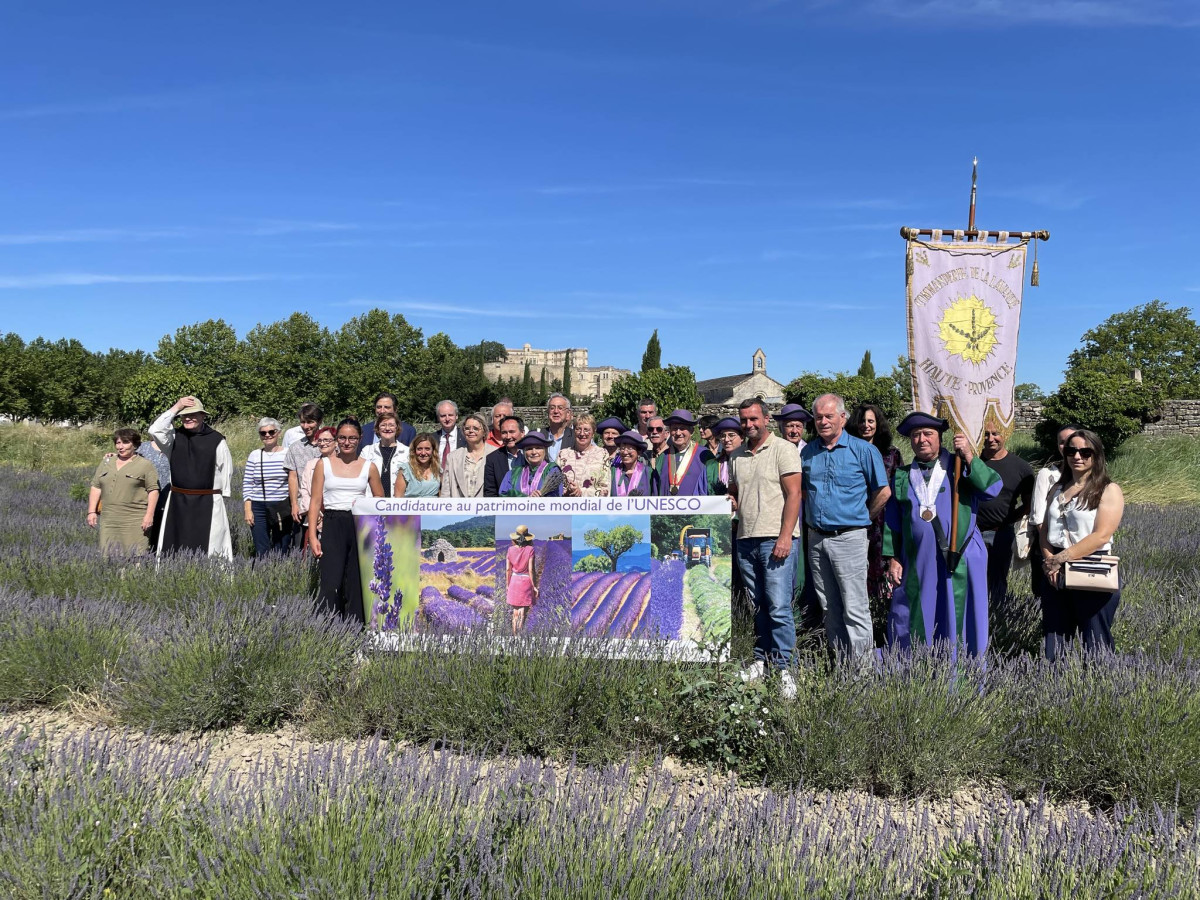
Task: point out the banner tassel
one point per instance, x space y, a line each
1035 277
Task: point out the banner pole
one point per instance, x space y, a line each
971 216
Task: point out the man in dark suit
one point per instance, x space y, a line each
558 414
449 436
386 403
497 465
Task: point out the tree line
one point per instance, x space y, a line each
1115 381
269 372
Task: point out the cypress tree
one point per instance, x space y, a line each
652 358
566 382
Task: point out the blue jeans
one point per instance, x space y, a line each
270 530
770 582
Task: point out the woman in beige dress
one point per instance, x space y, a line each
465 466
124 492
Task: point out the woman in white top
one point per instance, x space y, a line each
388 454
463 476
1083 513
1046 478
265 492
337 482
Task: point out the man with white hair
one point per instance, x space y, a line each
558 415
450 436
845 485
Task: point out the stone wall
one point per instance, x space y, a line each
1178 417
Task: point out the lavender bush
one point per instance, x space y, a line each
94 816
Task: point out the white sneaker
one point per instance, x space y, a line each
787 685
754 671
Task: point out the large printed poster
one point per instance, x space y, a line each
648 568
964 315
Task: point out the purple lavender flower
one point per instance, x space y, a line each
388 607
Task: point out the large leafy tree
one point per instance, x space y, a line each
16 378
673 387
1112 405
286 365
211 352
156 387
378 352
452 374
1163 343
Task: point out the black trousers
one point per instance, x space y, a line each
1000 552
1086 615
341 584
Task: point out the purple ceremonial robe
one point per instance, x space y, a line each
693 483
930 603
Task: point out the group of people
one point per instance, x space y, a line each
837 523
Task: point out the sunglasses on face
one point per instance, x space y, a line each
270 433
655 430
1081 452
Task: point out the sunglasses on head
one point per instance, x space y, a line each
270 433
1082 452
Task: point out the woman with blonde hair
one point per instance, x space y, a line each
420 476
465 467
585 466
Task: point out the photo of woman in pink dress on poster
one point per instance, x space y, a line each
520 576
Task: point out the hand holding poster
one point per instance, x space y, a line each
964 315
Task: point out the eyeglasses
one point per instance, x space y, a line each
1082 452
351 439
325 442
271 433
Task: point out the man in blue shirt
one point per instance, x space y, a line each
845 486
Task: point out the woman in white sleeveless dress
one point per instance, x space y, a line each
337 482
1083 513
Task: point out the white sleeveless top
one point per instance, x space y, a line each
1063 517
340 492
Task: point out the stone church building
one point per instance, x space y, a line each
731 389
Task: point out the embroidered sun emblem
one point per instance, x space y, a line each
968 329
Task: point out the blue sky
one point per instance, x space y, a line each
579 173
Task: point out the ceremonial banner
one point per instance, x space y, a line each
640 568
964 313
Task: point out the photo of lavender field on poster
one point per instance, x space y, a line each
602 568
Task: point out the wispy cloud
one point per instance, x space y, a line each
89 236
606 308
663 184
101 105
273 227
86 279
1016 13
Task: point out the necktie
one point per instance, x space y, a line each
445 450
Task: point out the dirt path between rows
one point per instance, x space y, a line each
237 753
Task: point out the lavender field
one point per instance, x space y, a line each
188 644
100 815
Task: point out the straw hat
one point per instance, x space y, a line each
522 535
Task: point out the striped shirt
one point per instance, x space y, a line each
265 477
